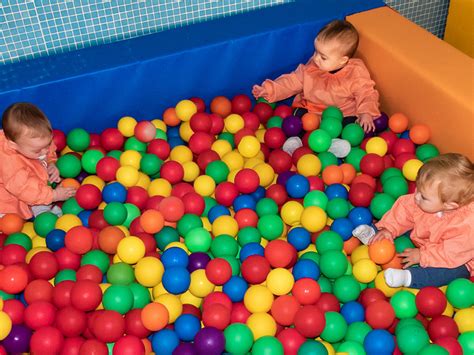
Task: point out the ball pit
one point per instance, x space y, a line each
198 233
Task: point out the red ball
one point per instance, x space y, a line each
403 146
43 265
310 321
251 121
315 183
226 192
442 326
372 164
194 203
148 240
283 111
181 189
284 309
153 203
205 158
107 168
280 161
274 137
247 181
216 315
366 179
264 111
145 131
79 240
62 293
327 302
201 122
86 295
241 134
13 279
12 254
108 326
239 313
306 291
200 104
172 171
129 345
71 322
172 208
299 152
218 271
97 220
71 346
67 259
255 269
402 158
59 139
431 301
160 148
291 340
93 346
134 324
217 297
39 314
191 309
15 310
38 290
89 272
95 142
112 139
360 195
246 217
137 196
390 138
277 193
241 103
47 340
280 253
450 344
200 142
217 124
88 196
380 314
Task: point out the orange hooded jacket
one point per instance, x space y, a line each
23 181
445 240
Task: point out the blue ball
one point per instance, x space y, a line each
217 211
405 134
164 342
343 227
186 327
379 342
336 190
114 192
251 249
352 312
244 201
84 217
300 238
297 186
360 215
306 268
55 239
176 280
174 257
259 193
175 141
172 131
235 288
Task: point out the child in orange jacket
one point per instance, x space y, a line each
440 215
27 156
330 78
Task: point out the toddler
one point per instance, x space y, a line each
440 215
27 156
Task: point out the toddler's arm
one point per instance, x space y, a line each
63 193
367 122
53 173
399 219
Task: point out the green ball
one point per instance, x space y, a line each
6 296
209 202
229 137
329 240
460 293
326 159
403 302
114 154
271 104
218 171
166 236
325 284
380 204
224 245
120 274
357 332
188 222
354 157
319 141
248 235
333 264
65 275
90 159
312 347
44 223
150 164
353 133
132 213
433 349
465 339
402 243
21 239
115 213
134 144
411 339
198 239
336 327
78 139
395 186
70 206
118 298
238 338
160 134
338 208
98 258
267 345
346 288
275 121
390 172
316 198
234 264
270 226
332 112
351 347
141 295
266 206
426 151
408 322
331 125
69 166
311 255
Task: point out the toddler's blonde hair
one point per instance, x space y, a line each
25 118
342 31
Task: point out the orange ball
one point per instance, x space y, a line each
155 316
11 223
109 238
420 133
349 173
395 263
382 251
172 208
332 174
221 105
310 121
68 182
398 122
152 221
350 244
170 117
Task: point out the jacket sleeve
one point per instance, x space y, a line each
29 188
399 219
284 86
365 94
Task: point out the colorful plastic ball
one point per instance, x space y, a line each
185 109
343 227
112 139
372 164
319 141
333 264
379 341
306 268
364 270
380 204
360 215
176 279
44 223
332 126
336 191
270 226
247 181
306 291
238 338
361 194
86 295
354 158
154 316
129 344
79 240
255 268
187 326
18 339
249 146
420 133
209 340
299 238
313 218
164 341
78 139
69 166
235 288
335 328
382 251
459 293
377 146
338 208
431 301
411 168
346 288
43 265
280 281
88 196
426 151
443 326
218 271
412 338
297 186
465 320
353 311
353 133
47 340
380 314
398 122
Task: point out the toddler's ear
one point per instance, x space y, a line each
451 206
344 60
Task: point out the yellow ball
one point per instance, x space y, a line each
38 241
313 218
67 221
265 173
309 248
377 146
382 285
308 165
206 224
143 180
261 324
126 126
231 176
258 298
160 187
185 109
94 180
172 304
127 175
234 123
221 147
449 310
181 154
410 169
280 281
252 163
131 249
5 325
233 160
149 271
191 171
131 158
291 212
249 146
189 298
260 134
359 253
464 318
159 124
1 303
364 270
204 185
28 229
225 225
185 131
35 251
177 245
158 290
200 285
124 230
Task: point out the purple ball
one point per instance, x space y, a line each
18 340
82 176
210 341
284 176
184 349
381 123
292 126
197 261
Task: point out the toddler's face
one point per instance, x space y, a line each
33 147
427 198
328 55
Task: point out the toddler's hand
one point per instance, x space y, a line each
381 234
63 193
53 173
366 121
410 256
258 91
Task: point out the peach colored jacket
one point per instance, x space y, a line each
445 240
23 181
350 89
